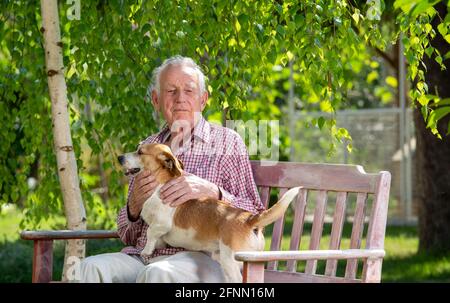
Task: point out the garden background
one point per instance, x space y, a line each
361 82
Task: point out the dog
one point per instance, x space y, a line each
204 224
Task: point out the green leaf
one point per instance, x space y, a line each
447 38
429 51
281 30
237 26
349 147
423 99
415 40
391 81
355 16
372 76
447 55
442 28
441 112
421 7
321 122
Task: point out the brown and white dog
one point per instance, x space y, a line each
201 224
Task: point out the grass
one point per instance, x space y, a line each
401 264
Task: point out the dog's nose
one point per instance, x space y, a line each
121 159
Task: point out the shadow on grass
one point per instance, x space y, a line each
417 268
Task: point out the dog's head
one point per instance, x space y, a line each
152 157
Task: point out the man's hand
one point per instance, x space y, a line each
143 187
187 187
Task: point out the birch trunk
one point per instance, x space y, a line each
67 166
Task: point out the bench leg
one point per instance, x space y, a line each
253 272
42 261
372 271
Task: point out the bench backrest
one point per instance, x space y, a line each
330 186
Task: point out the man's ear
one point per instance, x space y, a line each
169 161
155 100
204 98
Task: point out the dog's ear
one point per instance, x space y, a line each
181 164
169 161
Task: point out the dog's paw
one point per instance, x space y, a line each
147 251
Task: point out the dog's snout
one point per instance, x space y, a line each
121 159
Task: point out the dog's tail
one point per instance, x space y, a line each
276 211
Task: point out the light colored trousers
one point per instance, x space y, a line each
183 267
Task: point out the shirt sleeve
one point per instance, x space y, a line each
239 187
128 230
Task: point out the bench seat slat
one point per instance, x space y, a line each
332 177
317 228
297 227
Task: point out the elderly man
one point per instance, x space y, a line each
217 165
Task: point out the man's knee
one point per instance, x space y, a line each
158 272
92 269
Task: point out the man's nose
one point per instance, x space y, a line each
121 159
181 97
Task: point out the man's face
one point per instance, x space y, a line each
180 96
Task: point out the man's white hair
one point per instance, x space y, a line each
180 61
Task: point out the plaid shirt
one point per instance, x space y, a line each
215 153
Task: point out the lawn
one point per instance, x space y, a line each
401 263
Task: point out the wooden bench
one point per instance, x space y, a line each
317 180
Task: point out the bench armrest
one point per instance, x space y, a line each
263 256
254 261
43 247
67 234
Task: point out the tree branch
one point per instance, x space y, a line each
386 57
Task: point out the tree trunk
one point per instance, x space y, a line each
67 166
433 159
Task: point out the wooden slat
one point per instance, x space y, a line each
331 177
68 234
357 232
277 233
377 227
295 277
372 270
317 227
265 195
378 216
297 227
253 272
42 261
336 231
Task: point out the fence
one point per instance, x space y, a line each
382 139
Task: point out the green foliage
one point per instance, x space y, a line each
244 48
415 22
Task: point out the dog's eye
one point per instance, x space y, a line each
139 152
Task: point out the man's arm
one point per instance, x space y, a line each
128 230
129 223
